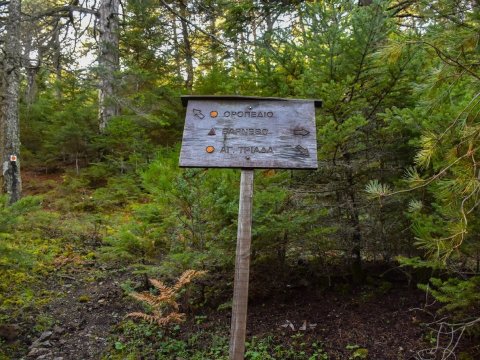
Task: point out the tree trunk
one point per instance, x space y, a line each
31 66
176 47
108 60
356 254
187 47
12 183
269 20
212 18
57 62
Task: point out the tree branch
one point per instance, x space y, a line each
192 24
450 61
63 9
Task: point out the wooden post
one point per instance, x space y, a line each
242 267
247 133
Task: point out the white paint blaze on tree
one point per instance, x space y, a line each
10 150
108 60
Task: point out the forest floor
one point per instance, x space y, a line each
84 317
91 304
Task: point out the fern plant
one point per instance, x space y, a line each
165 309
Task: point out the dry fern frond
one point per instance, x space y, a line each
148 298
159 285
172 318
139 315
165 300
169 300
187 277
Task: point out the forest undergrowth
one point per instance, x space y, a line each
60 280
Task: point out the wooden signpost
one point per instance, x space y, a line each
247 133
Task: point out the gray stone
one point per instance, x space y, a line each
36 352
58 330
45 357
38 344
45 336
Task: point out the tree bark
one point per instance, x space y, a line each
213 44
57 62
12 183
187 47
108 60
31 66
176 47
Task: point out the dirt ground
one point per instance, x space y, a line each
91 302
387 324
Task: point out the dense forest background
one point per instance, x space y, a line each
91 90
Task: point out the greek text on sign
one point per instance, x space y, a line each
245 132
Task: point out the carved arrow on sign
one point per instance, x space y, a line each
301 131
302 150
198 113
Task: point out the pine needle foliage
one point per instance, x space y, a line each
165 308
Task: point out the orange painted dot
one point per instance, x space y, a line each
210 149
213 114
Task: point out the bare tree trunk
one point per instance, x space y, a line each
12 183
176 47
187 47
108 60
213 44
57 62
31 90
31 66
268 33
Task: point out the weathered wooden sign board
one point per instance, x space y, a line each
244 132
248 133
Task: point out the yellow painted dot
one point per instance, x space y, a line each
210 149
214 114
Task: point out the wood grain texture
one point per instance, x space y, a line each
250 133
242 267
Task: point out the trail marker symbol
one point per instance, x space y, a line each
302 132
302 150
198 113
